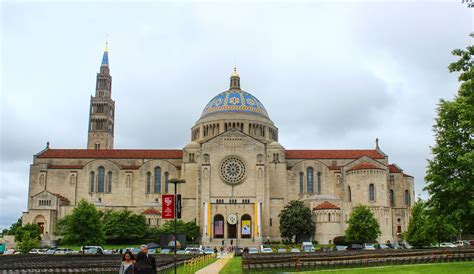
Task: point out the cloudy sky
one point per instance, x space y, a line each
330 74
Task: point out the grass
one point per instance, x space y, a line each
234 266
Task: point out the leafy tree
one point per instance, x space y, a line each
28 243
124 225
296 221
450 174
190 229
418 232
440 228
28 231
83 226
363 227
13 228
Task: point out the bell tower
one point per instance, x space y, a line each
102 109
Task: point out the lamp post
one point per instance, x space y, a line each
175 181
238 230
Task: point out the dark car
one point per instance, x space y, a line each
355 247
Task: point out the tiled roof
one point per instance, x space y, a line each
326 205
364 165
406 175
63 199
333 154
394 168
152 211
113 153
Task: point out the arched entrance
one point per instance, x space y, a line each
218 226
231 231
246 225
40 221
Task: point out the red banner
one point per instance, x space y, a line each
167 203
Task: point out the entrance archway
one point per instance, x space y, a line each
231 231
218 226
40 221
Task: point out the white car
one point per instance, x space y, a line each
63 251
253 250
447 245
369 247
267 250
193 250
295 250
208 250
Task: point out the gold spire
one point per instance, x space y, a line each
235 74
106 45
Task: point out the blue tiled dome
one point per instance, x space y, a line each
235 100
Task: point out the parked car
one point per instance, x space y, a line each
461 243
181 251
307 247
10 251
38 251
267 250
295 250
51 251
92 249
193 250
253 250
382 246
63 251
447 245
341 248
165 251
369 247
354 247
281 250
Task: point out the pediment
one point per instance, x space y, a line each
233 140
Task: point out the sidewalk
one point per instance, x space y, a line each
215 267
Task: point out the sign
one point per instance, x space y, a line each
167 203
178 206
245 227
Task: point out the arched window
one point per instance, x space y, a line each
392 198
319 182
157 185
371 192
301 182
349 193
246 226
166 181
310 176
407 197
218 226
109 182
329 217
148 182
101 180
92 179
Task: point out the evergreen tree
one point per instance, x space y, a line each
363 227
450 174
296 221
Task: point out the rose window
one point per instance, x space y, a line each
233 170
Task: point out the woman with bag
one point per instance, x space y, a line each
127 266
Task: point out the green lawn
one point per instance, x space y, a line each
234 266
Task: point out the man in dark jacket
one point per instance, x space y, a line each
145 264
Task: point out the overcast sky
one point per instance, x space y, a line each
332 75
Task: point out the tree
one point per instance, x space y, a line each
363 227
440 229
418 232
450 174
28 243
83 226
124 225
296 221
13 228
27 231
190 229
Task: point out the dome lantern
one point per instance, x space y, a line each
235 80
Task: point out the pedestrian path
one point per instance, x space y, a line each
215 267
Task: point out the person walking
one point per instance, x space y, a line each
146 264
127 265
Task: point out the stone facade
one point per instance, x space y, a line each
238 177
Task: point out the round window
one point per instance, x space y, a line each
233 170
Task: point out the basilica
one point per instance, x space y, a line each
238 177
